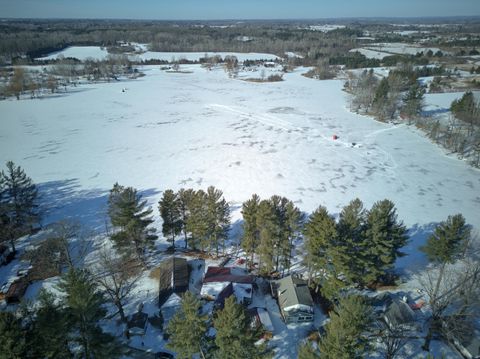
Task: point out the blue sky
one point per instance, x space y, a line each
235 9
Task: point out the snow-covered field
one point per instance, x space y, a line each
97 53
381 50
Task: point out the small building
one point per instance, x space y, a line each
173 278
137 324
294 299
221 282
399 314
261 317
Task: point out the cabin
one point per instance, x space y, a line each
170 307
174 277
219 283
294 299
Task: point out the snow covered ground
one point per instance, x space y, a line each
173 130
381 50
97 53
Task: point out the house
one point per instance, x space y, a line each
221 282
173 278
294 299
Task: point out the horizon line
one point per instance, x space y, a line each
251 19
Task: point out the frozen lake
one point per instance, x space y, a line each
173 130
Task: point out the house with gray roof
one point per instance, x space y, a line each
294 299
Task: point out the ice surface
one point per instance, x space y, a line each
173 130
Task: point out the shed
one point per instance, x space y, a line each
173 278
399 313
294 299
138 323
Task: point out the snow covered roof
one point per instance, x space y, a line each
265 319
213 289
399 312
226 274
293 293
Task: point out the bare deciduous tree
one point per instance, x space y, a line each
117 277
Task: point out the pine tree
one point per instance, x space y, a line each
293 226
306 351
345 333
251 231
169 207
185 198
281 240
234 337
128 212
380 99
413 100
50 329
197 222
84 305
12 337
218 219
386 236
187 328
448 240
266 220
320 236
18 203
352 248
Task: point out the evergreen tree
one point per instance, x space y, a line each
187 328
185 198
84 305
268 231
448 240
381 96
386 236
50 329
293 226
234 337
281 240
128 212
345 336
251 231
18 203
413 100
12 337
306 351
352 248
218 219
169 207
197 222
466 109
320 238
